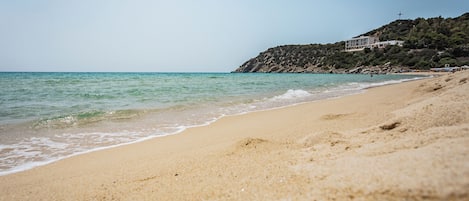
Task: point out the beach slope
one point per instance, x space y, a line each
408 141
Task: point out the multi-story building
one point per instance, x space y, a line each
362 42
386 43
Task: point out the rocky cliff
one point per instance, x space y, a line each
292 59
312 58
428 43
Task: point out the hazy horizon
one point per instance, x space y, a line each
182 35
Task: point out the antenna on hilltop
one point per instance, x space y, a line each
400 14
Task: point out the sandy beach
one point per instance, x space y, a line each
407 141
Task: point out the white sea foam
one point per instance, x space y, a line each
38 151
29 153
292 94
35 151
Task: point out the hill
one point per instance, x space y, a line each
428 43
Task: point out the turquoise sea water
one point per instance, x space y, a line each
49 116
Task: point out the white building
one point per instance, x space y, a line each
386 43
362 42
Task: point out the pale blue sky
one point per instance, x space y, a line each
184 35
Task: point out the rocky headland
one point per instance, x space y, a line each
428 43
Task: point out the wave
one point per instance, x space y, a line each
84 118
292 94
119 130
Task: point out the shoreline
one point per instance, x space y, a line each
243 156
357 90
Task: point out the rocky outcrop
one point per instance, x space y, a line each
292 59
308 59
428 43
377 70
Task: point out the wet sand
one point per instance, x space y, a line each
408 141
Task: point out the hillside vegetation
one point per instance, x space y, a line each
428 43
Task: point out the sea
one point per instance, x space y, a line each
45 117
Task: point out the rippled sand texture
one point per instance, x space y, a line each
407 141
46 117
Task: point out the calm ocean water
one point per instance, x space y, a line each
45 117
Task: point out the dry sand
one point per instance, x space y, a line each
408 141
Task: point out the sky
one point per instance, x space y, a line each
184 35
